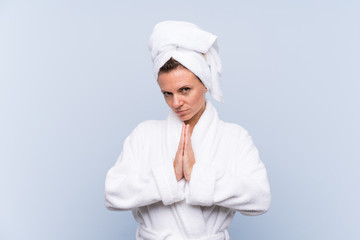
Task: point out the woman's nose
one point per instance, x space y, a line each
177 101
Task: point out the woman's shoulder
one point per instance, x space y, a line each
148 127
228 128
233 128
235 132
151 125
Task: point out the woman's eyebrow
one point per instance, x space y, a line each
186 86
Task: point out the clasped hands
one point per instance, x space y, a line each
184 158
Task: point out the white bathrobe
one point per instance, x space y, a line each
228 176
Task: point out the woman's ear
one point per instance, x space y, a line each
203 85
205 88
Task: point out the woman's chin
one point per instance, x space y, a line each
184 118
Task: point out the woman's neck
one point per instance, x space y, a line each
193 121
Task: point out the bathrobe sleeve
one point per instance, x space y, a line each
241 184
134 180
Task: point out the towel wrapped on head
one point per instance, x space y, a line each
191 46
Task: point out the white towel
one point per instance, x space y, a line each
193 47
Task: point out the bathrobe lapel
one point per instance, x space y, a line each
203 138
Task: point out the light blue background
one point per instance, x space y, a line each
76 78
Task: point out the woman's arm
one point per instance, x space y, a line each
134 182
241 185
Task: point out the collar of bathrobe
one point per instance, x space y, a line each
203 136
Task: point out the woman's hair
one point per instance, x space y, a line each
170 65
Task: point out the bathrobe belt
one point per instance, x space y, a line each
143 233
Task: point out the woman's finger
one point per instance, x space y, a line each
178 161
187 137
189 158
181 142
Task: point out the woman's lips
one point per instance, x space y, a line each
182 112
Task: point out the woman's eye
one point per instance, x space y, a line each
186 90
166 94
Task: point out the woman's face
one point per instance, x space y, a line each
184 93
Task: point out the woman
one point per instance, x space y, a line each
184 177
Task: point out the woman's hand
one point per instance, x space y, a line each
184 158
189 158
178 161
